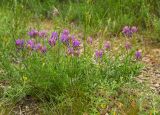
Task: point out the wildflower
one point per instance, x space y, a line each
89 40
54 35
38 47
66 32
42 34
76 43
128 45
107 45
138 55
44 49
127 31
33 33
52 42
64 38
134 29
19 43
70 51
30 44
99 53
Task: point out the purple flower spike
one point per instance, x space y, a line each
76 43
107 45
54 35
30 44
89 40
64 38
43 49
128 45
99 53
19 43
138 55
52 42
134 29
33 33
43 34
127 31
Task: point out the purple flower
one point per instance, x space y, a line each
43 49
66 32
138 55
70 51
33 33
43 34
107 45
19 43
38 46
99 53
52 42
76 43
54 35
30 44
134 29
89 40
127 31
128 45
64 38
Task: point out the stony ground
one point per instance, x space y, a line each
150 75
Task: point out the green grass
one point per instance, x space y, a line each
74 85
96 15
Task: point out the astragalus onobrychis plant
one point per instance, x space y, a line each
48 66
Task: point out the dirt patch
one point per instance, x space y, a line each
27 106
150 75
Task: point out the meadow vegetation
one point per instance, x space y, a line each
76 56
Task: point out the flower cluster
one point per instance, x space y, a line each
71 43
33 44
34 33
129 31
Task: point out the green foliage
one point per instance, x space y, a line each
55 74
96 14
66 84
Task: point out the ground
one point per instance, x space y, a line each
150 75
